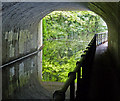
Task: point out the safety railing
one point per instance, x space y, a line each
23 57
82 70
101 38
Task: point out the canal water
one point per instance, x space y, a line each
60 57
21 80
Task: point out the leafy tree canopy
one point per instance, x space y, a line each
65 35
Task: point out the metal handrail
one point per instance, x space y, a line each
23 57
101 38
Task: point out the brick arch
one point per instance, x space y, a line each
26 16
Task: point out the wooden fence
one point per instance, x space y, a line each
82 70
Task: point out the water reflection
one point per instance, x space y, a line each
60 57
20 80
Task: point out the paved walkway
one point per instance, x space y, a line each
104 84
101 49
104 80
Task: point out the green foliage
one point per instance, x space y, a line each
59 59
65 35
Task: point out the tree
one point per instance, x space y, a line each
66 34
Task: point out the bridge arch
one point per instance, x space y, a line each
22 18
20 25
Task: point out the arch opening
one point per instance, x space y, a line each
65 35
29 23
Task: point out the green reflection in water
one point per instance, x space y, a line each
60 57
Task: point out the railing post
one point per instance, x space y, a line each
58 95
104 36
98 39
78 79
101 38
95 44
72 86
78 76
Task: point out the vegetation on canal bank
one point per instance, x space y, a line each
65 36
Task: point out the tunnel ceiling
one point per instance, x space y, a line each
26 15
107 10
23 15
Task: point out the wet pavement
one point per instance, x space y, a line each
101 49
